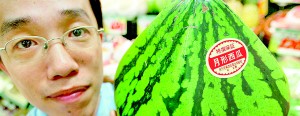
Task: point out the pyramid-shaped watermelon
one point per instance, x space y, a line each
198 58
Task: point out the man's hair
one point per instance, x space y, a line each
96 7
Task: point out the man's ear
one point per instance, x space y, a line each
2 67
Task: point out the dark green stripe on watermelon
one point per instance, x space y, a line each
164 72
200 87
227 88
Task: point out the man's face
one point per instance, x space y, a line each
62 80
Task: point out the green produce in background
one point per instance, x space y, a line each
236 6
250 14
249 11
152 8
155 6
161 4
198 58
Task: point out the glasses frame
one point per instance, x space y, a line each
46 44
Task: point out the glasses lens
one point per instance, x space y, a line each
80 37
25 47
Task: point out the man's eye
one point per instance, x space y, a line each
77 33
25 44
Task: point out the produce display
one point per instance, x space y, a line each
285 31
289 21
113 48
171 69
12 103
198 58
284 34
128 9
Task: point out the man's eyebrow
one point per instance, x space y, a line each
11 24
74 13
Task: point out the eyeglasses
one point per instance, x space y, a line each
30 47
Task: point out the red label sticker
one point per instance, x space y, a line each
227 58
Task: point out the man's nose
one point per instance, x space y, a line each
60 62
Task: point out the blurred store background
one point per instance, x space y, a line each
276 23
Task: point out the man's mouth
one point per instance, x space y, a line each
69 95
